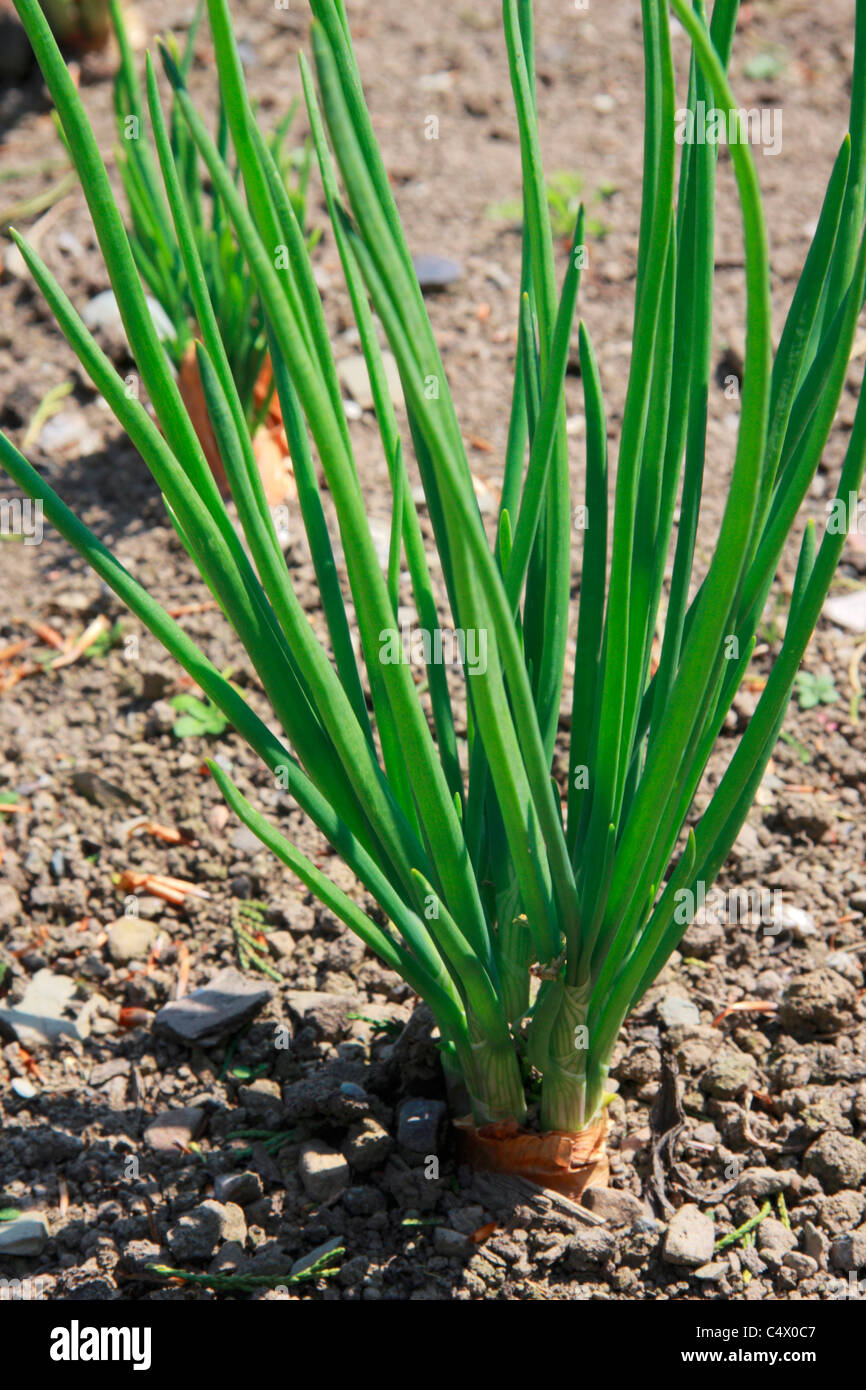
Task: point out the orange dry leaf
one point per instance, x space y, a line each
82 643
172 890
186 610
183 965
15 649
20 673
133 1018
167 833
758 1006
49 635
483 445
483 1233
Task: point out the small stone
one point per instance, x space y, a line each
617 1208
324 1172
821 1001
467 1220
804 1266
353 375
848 611
675 1012
815 1243
849 1252
38 1016
367 1146
796 920
731 1073
228 1259
261 1096
760 1182
363 1201
174 1130
198 1232
129 938
841 1212
10 904
318 1009
419 1125
436 272
713 1272
245 842
690 1238
281 944
590 1248
450 1243
353 1272
25 1235
774 1236
837 1161
240 1188
307 1261
220 1007
23 1088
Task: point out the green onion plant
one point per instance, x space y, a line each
530 915
231 286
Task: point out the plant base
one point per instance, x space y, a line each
567 1163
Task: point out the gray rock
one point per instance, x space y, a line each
320 1010
420 1124
760 1182
729 1074
450 1243
25 1235
363 1201
352 372
10 904
690 1238
589 1248
353 1272
804 1266
172 1130
675 1012
38 1017
837 1161
849 1252
240 1188
23 1088
436 272
324 1172
467 1219
129 938
841 1212
198 1232
228 1259
615 1207
220 1007
102 315
821 1001
307 1261
281 944
713 1272
773 1235
367 1146
245 842
261 1096
815 1243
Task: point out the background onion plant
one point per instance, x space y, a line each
530 916
231 287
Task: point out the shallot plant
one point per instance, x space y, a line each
530 915
231 286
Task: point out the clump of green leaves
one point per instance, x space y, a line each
153 237
531 911
197 718
815 690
